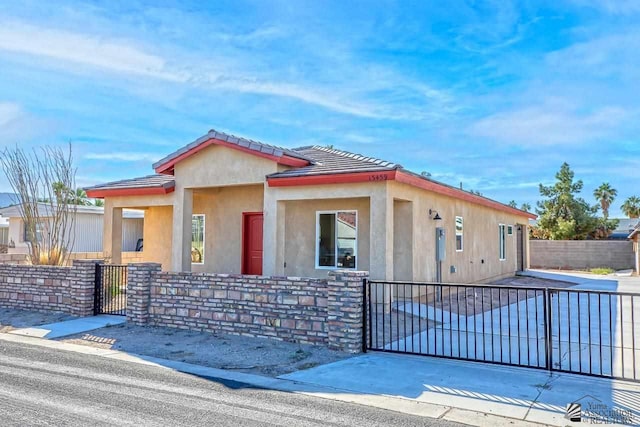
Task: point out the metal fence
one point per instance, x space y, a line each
110 296
585 332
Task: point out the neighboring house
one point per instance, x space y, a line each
635 237
231 205
625 226
87 229
6 199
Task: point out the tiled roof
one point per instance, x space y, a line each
150 181
249 144
330 161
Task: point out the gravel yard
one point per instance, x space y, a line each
238 353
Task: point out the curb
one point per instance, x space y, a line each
390 403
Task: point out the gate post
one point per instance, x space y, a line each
344 310
139 291
82 286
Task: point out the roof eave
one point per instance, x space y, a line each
130 191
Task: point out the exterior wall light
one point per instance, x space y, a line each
434 215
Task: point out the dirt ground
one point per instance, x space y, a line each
11 319
238 353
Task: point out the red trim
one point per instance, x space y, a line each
141 191
167 168
342 178
243 254
399 176
406 178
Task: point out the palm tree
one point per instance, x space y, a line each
631 207
605 195
98 202
525 207
79 197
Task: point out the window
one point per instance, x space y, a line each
336 236
39 231
503 242
459 228
197 239
510 230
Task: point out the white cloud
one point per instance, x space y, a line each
613 7
550 124
123 156
110 55
9 112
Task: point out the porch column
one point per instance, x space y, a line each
112 233
273 235
182 229
381 239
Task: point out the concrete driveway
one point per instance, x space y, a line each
525 394
609 282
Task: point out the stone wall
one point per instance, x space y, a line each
23 259
314 311
46 288
581 254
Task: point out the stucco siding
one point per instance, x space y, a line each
479 259
300 234
158 223
220 166
223 209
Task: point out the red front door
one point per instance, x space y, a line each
252 243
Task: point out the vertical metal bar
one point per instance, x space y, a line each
535 293
589 324
384 335
484 338
500 320
526 309
493 351
397 316
559 320
466 320
509 320
600 330
621 335
633 338
547 330
428 341
370 317
442 318
518 323
391 316
458 314
475 332
569 327
413 347
365 320
579 294
450 324
420 318
611 338
404 315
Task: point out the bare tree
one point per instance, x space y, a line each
40 178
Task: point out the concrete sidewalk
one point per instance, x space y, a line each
70 327
518 393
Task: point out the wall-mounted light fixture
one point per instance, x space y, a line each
434 215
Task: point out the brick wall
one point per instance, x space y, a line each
47 288
581 254
315 311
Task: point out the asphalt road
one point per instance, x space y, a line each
40 386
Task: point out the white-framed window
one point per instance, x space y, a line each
459 233
336 239
510 230
502 235
39 232
197 239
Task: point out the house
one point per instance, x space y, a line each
87 229
625 226
6 199
634 236
231 205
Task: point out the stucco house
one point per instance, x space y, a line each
634 237
87 229
226 204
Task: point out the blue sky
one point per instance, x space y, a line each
495 95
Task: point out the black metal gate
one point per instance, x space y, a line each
578 331
110 296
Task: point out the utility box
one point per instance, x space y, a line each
440 244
